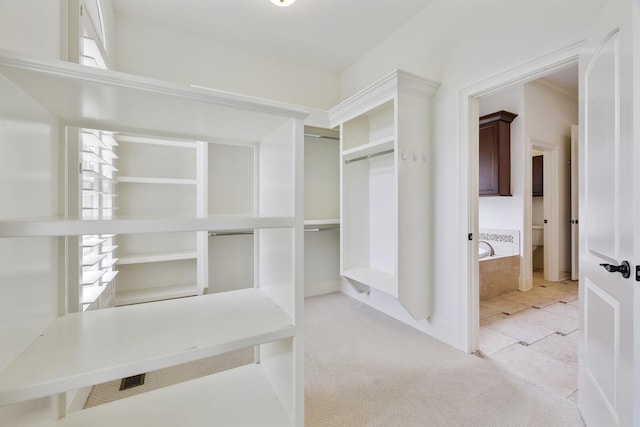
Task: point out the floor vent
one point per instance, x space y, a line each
131 382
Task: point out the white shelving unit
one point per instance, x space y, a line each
157 176
58 354
321 210
384 176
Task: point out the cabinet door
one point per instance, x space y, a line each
537 177
489 159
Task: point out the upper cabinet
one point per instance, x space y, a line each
494 154
537 168
384 170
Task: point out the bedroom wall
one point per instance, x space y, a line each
149 49
460 43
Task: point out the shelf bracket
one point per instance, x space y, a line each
362 289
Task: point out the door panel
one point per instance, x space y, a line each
607 225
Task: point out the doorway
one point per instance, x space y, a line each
535 300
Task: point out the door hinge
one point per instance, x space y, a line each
470 236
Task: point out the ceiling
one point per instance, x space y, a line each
328 33
567 79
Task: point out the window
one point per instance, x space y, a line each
98 157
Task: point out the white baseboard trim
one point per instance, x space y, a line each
391 306
321 288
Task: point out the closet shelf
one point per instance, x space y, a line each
156 257
146 180
372 148
378 279
321 222
242 397
156 293
129 224
70 354
143 104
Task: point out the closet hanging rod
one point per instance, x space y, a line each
321 229
231 233
368 156
315 135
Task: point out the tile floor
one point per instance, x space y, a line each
535 334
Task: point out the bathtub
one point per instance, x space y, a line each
499 274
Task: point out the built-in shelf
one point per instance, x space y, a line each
145 180
369 149
378 279
241 397
156 257
156 293
69 354
321 223
129 225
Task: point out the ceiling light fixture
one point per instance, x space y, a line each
283 3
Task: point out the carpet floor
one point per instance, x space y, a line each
364 368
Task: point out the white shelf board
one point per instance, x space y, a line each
157 293
145 180
156 257
378 279
82 349
128 225
238 397
370 148
143 105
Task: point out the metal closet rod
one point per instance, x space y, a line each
315 135
321 229
230 233
368 156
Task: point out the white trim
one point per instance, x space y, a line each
380 92
469 304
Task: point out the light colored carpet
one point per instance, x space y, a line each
364 368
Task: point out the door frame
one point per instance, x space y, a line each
468 161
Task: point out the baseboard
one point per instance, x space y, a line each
321 288
390 306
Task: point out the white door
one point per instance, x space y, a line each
574 202
607 231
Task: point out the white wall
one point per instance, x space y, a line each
31 26
151 50
461 43
550 114
506 212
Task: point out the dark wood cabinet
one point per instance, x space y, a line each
537 176
495 154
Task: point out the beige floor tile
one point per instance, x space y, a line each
563 309
530 325
574 397
574 336
492 341
487 311
559 347
504 305
539 368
